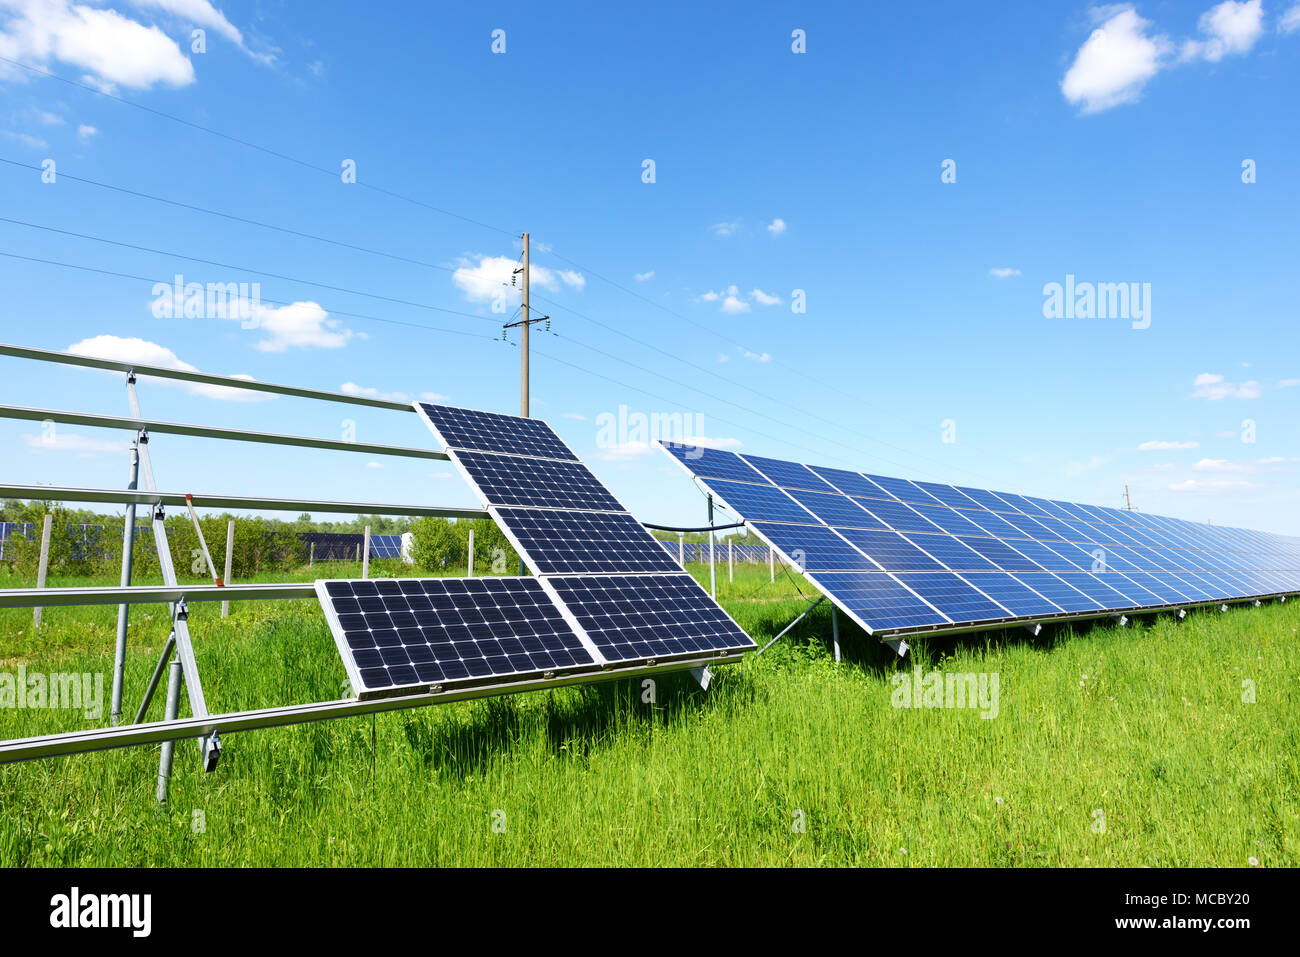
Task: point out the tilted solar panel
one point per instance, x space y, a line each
555 542
947 557
493 432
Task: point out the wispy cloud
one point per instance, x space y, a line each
370 392
1158 446
1212 386
1230 29
144 352
1087 465
1288 383
1003 272
725 229
484 278
644 276
776 227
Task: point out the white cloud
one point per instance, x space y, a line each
152 354
374 465
1212 386
369 392
300 325
575 416
86 131
734 305
776 227
482 278
756 356
1231 28
644 276
433 397
1211 485
1115 62
113 49
1158 446
1289 22
1003 272
625 451
708 442
723 357
83 445
1288 383
725 229
1274 463
34 142
763 298
1078 468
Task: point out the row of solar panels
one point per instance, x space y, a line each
903 556
723 551
607 594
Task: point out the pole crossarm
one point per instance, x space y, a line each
210 432
148 594
90 362
131 497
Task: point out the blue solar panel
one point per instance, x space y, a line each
512 480
557 542
788 474
648 616
834 509
879 602
761 502
1018 598
890 550
815 547
1037 556
493 432
953 596
385 546
406 635
713 463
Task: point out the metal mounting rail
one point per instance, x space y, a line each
144 594
73 494
44 355
210 432
103 739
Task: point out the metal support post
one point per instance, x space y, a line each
169 747
469 564
835 631
230 548
43 567
365 554
124 609
713 574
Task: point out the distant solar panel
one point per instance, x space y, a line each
493 432
396 635
385 546
955 557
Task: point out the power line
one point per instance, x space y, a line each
247 269
274 302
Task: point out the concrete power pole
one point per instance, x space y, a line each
523 335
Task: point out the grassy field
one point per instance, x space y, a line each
1112 746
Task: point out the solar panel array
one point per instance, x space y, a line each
903 557
606 592
385 546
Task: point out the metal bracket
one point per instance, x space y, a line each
898 644
703 676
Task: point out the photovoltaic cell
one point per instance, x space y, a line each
879 601
648 616
850 483
815 547
788 474
900 517
952 596
1058 592
493 432
714 463
511 480
951 552
761 503
571 542
902 489
890 550
410 633
1002 554
834 509
1016 597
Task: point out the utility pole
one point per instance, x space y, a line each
525 320
1127 499
523 345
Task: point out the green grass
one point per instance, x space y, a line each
1157 738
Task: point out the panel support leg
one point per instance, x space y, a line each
791 625
124 610
174 678
835 631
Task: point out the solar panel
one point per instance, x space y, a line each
714 463
648 616
512 480
788 474
570 542
385 546
765 501
942 556
493 432
412 633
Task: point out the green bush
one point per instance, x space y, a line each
442 547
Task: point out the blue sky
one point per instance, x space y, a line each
1101 143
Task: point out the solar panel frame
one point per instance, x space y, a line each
814 547
790 475
578 542
834 509
511 480
713 463
473 430
766 502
